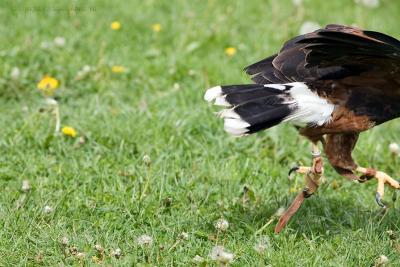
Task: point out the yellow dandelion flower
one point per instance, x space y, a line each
118 69
69 131
230 51
48 85
115 25
156 27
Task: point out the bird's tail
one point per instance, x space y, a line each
254 107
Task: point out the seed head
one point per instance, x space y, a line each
116 253
260 248
51 101
147 160
198 259
64 241
26 186
394 148
80 255
47 209
99 248
184 236
221 225
59 41
144 240
381 261
15 73
261 245
218 253
297 2
279 212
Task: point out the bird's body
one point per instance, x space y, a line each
332 84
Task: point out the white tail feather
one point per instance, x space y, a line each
213 93
236 123
221 101
236 132
305 106
228 113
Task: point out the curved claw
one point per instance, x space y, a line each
293 170
378 199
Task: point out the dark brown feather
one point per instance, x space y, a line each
357 71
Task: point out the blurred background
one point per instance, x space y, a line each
129 147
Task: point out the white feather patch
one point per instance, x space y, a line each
275 86
310 108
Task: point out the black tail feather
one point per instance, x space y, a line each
258 106
239 94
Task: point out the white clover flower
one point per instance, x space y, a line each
218 253
309 26
297 2
26 186
260 248
144 240
86 68
15 73
45 45
116 253
99 248
381 261
147 160
368 3
221 225
198 259
81 140
59 41
47 209
184 236
262 244
176 86
64 241
394 148
279 212
51 101
80 255
83 72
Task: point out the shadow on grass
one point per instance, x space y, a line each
320 215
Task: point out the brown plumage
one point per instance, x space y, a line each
357 71
332 83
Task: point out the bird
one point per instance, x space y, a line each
331 84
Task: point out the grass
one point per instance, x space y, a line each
103 193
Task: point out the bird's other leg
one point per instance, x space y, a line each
312 176
382 178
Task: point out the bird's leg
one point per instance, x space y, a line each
382 178
312 177
312 174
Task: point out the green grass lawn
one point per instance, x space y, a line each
97 184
